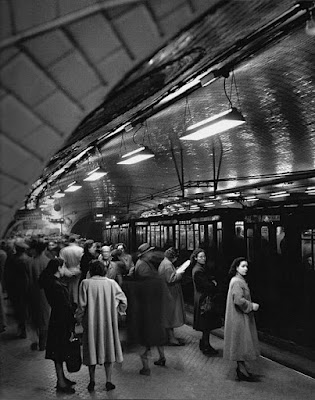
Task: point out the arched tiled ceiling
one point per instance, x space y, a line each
273 60
59 59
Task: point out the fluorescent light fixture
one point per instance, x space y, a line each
213 125
194 83
99 215
72 187
59 194
225 202
310 191
207 79
209 205
135 156
251 198
279 194
94 175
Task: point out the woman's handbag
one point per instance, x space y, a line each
206 305
73 355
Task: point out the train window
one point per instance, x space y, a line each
239 228
158 236
219 236
210 235
196 234
250 243
279 237
177 236
182 232
308 246
190 237
201 234
148 235
264 231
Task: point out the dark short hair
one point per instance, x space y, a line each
171 253
39 245
194 255
96 267
47 274
235 263
116 254
87 245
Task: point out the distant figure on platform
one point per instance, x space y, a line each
39 306
61 322
100 301
72 255
240 334
113 271
17 271
52 250
204 285
174 312
125 258
89 254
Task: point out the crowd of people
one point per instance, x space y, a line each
54 287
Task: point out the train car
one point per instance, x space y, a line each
279 243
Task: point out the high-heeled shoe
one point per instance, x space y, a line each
207 349
65 389
68 382
145 371
161 362
91 386
109 386
242 377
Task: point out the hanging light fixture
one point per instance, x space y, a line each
59 194
141 153
72 187
214 125
95 174
135 156
218 123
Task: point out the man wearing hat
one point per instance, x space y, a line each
145 318
144 267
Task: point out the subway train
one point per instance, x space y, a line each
279 243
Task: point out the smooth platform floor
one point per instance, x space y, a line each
26 374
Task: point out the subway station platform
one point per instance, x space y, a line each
188 374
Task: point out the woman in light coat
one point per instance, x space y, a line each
174 313
240 334
100 301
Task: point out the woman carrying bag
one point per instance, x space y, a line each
61 322
100 301
205 288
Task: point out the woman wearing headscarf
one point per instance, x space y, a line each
61 322
100 301
240 334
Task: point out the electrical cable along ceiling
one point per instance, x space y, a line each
258 58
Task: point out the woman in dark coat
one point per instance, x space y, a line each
61 322
89 254
204 285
